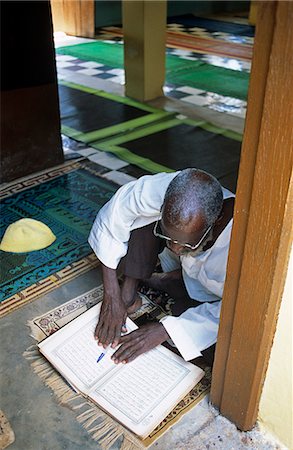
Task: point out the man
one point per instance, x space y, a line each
191 214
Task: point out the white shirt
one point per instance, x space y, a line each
137 204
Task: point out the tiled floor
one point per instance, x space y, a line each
91 72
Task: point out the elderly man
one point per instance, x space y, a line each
191 215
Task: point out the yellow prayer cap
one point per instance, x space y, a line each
26 235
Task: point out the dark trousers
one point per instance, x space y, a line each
142 255
141 260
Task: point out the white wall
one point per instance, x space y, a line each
276 405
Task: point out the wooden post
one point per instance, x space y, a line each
262 230
74 17
144 25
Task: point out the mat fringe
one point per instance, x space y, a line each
102 428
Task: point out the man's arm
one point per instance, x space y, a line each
195 330
134 205
113 310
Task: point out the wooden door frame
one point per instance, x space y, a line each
74 17
262 231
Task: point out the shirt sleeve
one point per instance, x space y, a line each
134 205
195 330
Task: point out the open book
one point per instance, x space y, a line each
139 394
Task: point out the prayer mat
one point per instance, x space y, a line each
202 44
103 429
68 204
183 143
189 21
88 114
6 433
179 71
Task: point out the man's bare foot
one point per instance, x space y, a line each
135 305
161 281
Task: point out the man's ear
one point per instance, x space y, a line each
220 216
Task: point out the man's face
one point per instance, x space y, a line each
193 233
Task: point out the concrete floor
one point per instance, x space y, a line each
40 423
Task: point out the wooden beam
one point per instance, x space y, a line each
256 94
261 234
74 17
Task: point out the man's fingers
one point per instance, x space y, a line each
116 339
128 355
106 335
102 335
129 349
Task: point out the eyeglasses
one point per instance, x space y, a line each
157 233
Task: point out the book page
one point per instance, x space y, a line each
143 392
74 351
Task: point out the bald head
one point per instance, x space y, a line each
192 193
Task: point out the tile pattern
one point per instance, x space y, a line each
90 68
214 60
105 164
197 97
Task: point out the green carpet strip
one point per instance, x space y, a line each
179 71
155 115
115 145
116 98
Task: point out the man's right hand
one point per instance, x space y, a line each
111 321
113 311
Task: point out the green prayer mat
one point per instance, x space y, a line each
179 71
68 204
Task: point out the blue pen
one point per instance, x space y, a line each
101 357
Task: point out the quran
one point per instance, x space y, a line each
139 394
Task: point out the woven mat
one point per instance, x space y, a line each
6 433
68 204
200 44
103 429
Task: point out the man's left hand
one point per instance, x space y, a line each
140 341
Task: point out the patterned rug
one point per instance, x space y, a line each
68 204
101 427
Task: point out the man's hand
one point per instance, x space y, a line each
113 311
140 341
111 322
